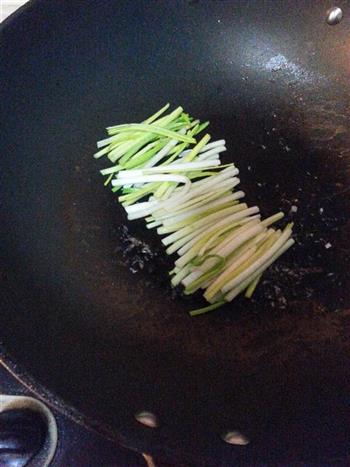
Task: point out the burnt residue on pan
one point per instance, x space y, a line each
144 254
136 254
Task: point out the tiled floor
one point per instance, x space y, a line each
9 6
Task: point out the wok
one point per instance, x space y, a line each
273 79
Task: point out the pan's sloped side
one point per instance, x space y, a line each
273 78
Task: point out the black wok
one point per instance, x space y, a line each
273 78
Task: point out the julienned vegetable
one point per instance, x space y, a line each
173 178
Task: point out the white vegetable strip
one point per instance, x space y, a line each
179 276
163 152
186 166
246 274
231 268
207 147
213 144
105 142
141 206
169 203
213 157
255 241
240 238
168 223
208 231
169 192
199 201
172 202
185 240
272 219
203 222
193 276
202 186
226 173
153 224
237 290
192 252
154 178
237 262
213 152
237 240
210 243
151 178
252 243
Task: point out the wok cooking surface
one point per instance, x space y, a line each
112 341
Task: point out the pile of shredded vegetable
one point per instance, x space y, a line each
168 174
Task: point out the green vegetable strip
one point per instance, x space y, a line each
163 121
211 241
194 218
154 117
236 279
238 267
108 180
184 240
119 151
207 221
194 203
200 239
188 215
145 149
138 194
195 285
251 289
240 236
102 152
206 309
189 157
201 127
134 148
111 170
190 248
236 258
163 188
136 191
253 242
139 160
237 290
272 219
178 149
116 140
155 130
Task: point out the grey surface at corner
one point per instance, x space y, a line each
46 454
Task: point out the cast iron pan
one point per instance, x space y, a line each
273 78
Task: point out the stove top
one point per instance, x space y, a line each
77 446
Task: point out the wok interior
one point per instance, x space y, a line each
111 341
